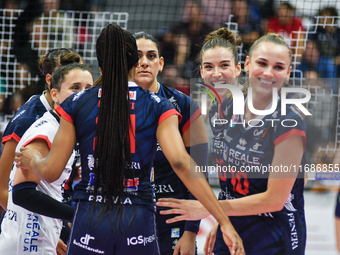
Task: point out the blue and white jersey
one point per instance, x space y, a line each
32 110
147 111
23 231
245 151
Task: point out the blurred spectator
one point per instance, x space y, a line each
312 59
266 9
181 45
328 34
288 26
321 126
22 49
249 25
216 12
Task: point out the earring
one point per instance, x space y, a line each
160 70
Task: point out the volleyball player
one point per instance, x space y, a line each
32 110
181 236
267 207
25 228
117 136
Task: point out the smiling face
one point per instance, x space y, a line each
149 64
76 80
268 67
218 67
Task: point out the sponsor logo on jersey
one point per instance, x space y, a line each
86 239
152 174
18 115
175 232
90 162
242 144
133 95
116 200
227 137
173 101
132 184
238 158
289 205
134 165
77 95
174 243
164 188
31 242
42 122
155 97
257 132
11 215
84 243
140 240
225 152
256 148
293 232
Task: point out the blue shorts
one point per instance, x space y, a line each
263 236
337 207
132 232
169 234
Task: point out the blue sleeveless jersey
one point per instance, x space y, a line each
32 110
243 154
147 111
167 183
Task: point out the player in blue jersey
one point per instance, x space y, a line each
32 199
267 205
117 133
32 110
181 236
220 65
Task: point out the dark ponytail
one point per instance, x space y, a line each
117 54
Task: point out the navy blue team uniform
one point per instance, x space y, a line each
337 207
135 232
236 147
167 183
32 110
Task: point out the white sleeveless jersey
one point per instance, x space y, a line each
25 232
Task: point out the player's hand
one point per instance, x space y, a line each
61 248
186 245
188 209
232 239
210 240
25 156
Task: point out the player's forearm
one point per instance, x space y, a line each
43 169
251 205
200 188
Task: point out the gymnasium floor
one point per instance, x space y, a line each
319 209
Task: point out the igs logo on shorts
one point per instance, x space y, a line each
144 240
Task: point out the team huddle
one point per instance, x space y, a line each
136 193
